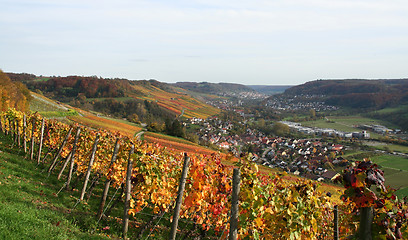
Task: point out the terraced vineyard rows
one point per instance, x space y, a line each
270 208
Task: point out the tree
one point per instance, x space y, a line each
175 128
280 129
13 94
312 113
133 118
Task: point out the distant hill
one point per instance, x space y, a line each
270 89
220 89
356 93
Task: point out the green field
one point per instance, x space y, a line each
391 110
390 161
395 172
394 148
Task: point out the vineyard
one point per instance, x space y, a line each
176 102
166 186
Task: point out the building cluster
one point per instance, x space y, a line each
380 129
310 158
295 103
218 133
326 131
244 95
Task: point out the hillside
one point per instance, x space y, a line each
107 95
220 89
52 109
356 93
269 89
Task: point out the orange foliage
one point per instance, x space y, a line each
98 122
176 102
13 94
179 146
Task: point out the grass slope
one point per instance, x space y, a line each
395 171
29 207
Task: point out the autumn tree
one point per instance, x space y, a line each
13 94
280 129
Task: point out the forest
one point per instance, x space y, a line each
355 93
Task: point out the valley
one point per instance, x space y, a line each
313 146
298 137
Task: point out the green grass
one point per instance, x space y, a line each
334 125
390 161
41 79
53 114
392 110
394 148
29 207
42 104
395 172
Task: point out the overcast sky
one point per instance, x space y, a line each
274 42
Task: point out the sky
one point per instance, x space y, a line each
253 42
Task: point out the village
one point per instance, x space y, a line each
310 158
296 103
327 131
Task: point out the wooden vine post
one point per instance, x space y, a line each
71 167
64 165
15 130
179 200
1 124
7 125
32 140
236 179
108 181
12 128
128 188
336 223
24 133
18 135
366 220
88 172
54 161
41 141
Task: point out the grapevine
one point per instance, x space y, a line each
270 206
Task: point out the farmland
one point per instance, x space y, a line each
395 171
393 148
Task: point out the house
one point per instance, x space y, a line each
224 145
329 174
336 147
